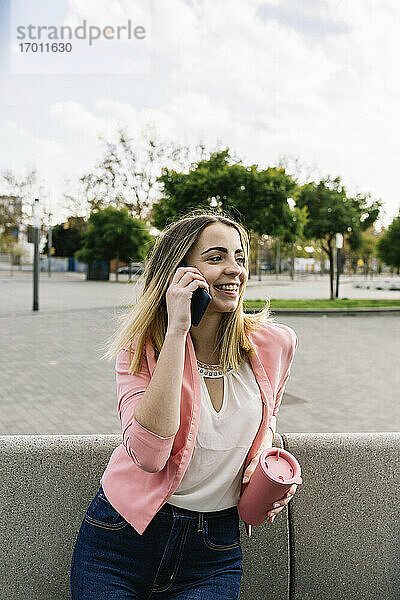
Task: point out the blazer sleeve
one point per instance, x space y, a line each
149 451
289 351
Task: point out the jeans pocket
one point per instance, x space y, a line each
101 513
222 533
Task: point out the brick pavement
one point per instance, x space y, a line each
345 377
71 291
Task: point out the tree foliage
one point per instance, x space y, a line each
67 237
127 174
10 215
388 246
113 234
258 198
331 211
25 188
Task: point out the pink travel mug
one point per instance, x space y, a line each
276 472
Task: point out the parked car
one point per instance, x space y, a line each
137 268
265 267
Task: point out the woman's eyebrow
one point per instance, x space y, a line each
220 249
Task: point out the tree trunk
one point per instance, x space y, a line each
116 266
258 259
249 255
331 266
293 261
278 258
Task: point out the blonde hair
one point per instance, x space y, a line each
148 316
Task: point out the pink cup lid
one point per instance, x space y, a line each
280 466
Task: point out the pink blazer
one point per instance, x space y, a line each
146 469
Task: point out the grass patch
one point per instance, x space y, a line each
321 303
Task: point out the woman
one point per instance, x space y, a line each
197 407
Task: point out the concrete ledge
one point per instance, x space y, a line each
338 538
344 523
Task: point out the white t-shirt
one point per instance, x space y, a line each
212 479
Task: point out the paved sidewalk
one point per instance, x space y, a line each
71 291
345 376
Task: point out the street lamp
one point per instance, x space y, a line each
36 257
339 246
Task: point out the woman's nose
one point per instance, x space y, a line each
233 267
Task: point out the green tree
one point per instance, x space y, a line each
67 237
294 241
258 198
113 234
369 241
331 211
388 246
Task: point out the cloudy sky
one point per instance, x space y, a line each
313 79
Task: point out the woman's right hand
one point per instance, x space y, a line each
178 297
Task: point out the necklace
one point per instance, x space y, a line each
210 370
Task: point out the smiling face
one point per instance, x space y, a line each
219 256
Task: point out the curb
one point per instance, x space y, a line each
341 312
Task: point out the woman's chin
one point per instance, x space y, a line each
227 307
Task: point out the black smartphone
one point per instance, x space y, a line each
200 300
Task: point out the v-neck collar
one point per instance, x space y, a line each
223 407
258 369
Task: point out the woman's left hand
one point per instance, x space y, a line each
279 504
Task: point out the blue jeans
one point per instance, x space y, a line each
182 555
